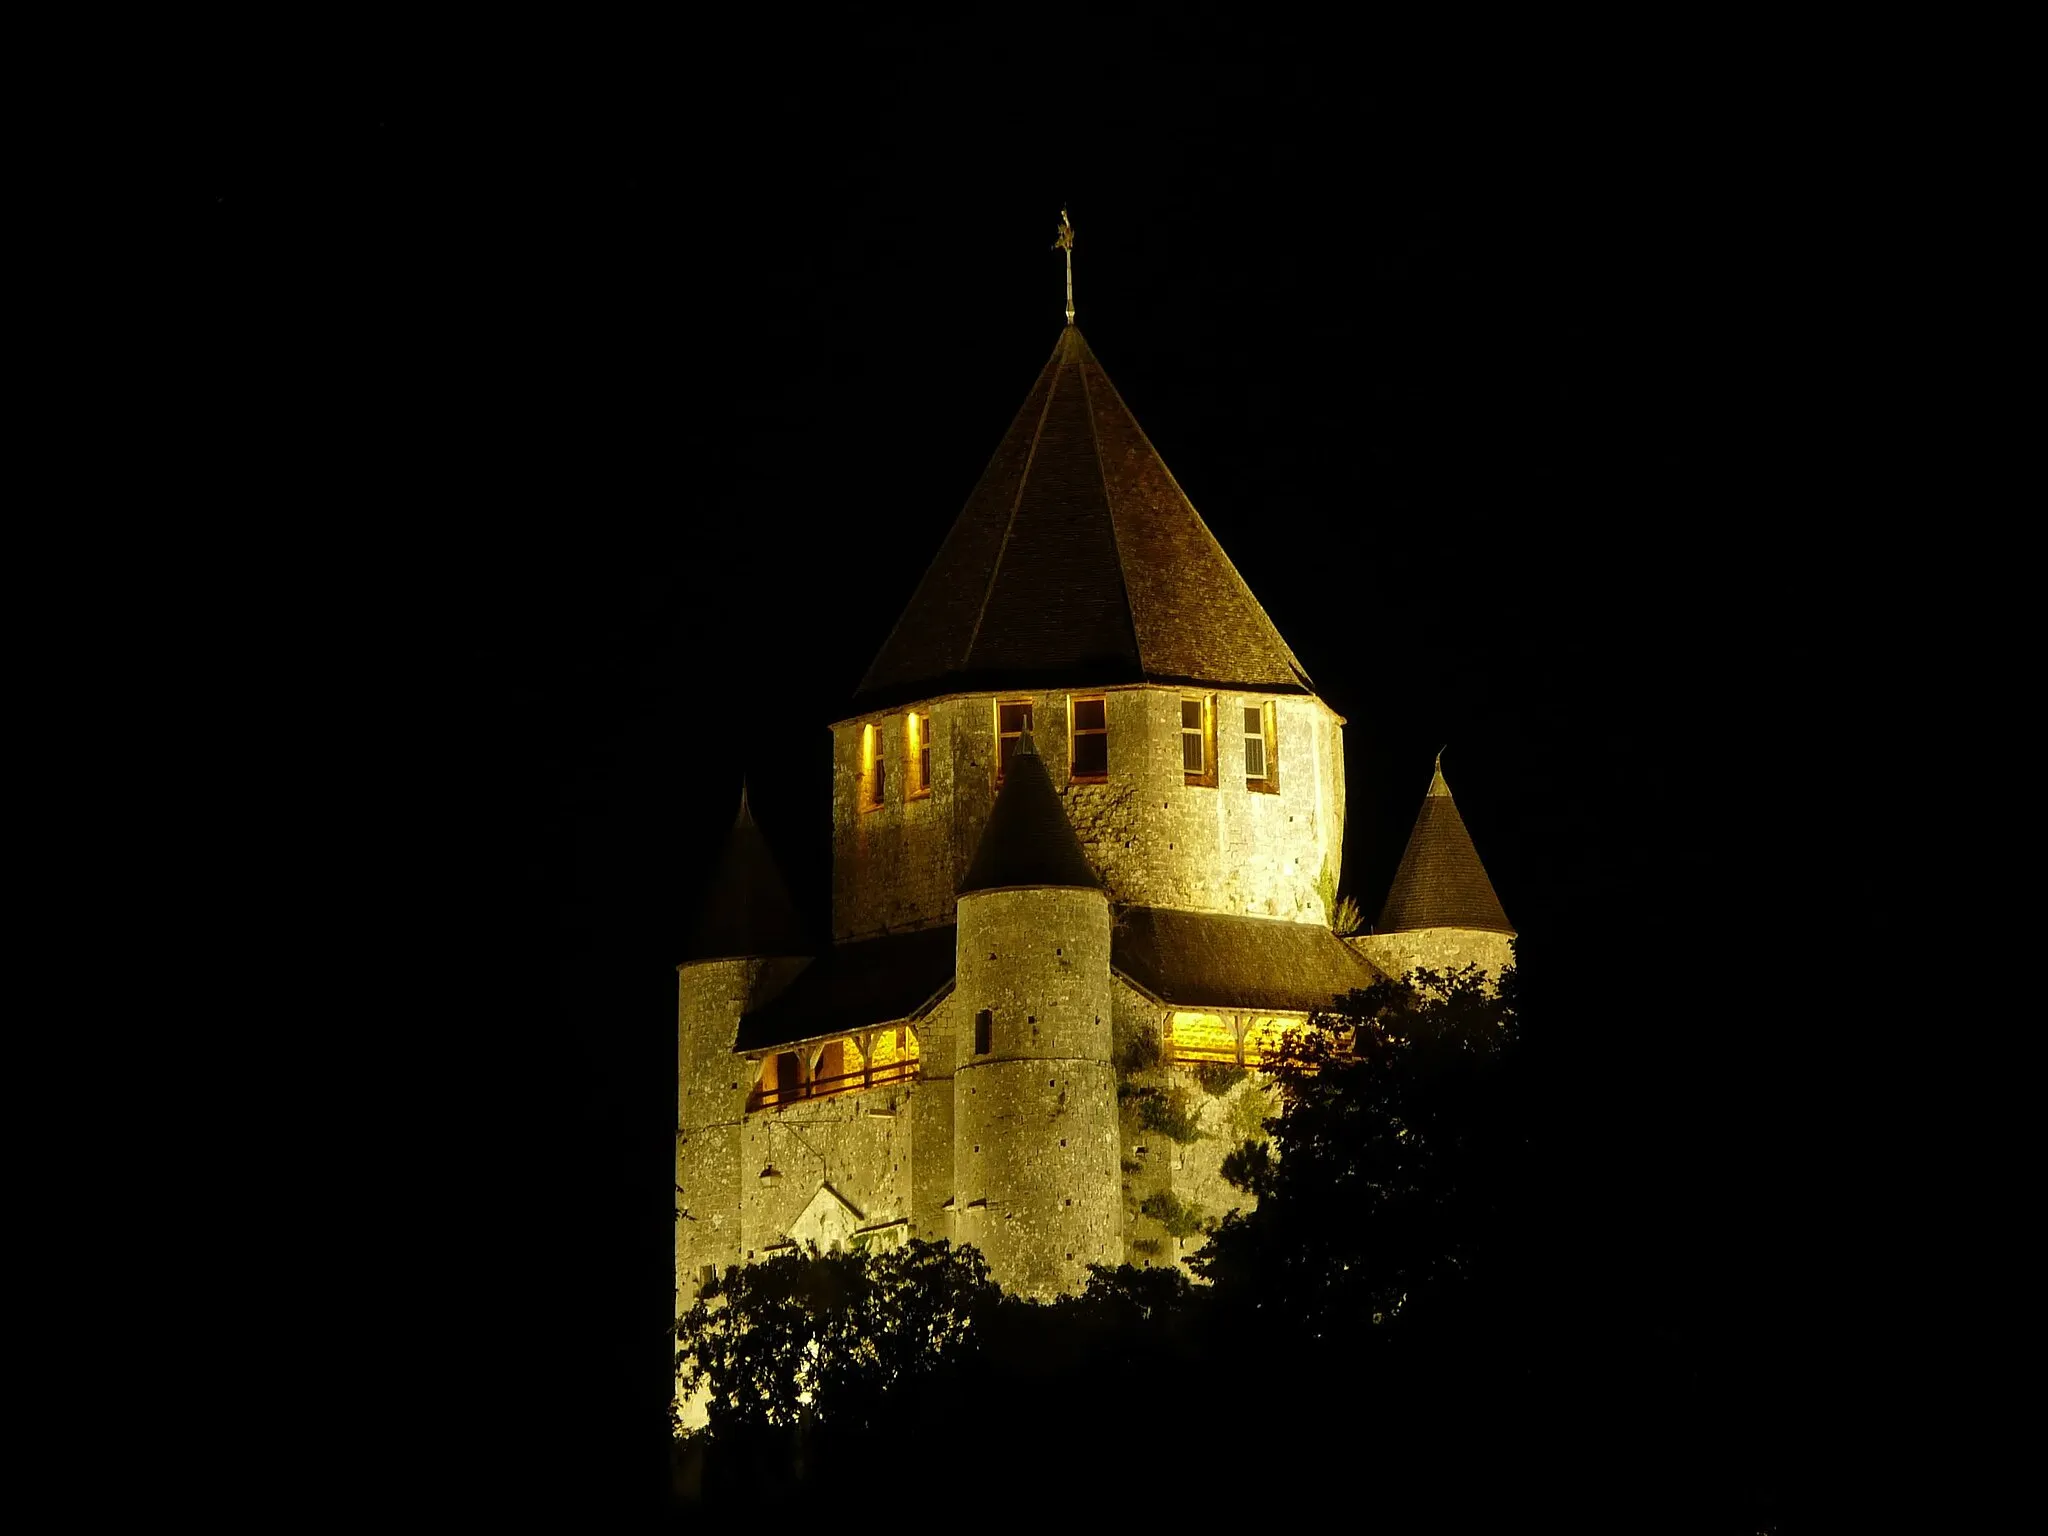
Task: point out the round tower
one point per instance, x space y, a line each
1035 1150
1080 596
747 947
1442 912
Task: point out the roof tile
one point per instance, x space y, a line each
1028 839
1077 561
747 911
1215 960
1441 883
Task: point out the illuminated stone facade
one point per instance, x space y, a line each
1054 955
1437 949
1035 1122
1154 838
712 1085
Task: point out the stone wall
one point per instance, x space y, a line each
1170 1174
711 1097
859 1145
1035 1139
886 1152
1154 838
1436 949
1193 1171
931 1104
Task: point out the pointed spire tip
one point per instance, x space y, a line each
1065 242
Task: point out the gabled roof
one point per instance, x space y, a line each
1213 960
1077 561
747 911
856 986
1028 839
1441 883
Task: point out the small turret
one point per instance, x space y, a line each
747 946
1028 840
1442 911
1036 1180
747 911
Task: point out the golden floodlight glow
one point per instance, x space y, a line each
917 755
871 769
1158 879
1245 1039
1200 1037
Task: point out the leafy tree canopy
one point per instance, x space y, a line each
1379 1181
827 1337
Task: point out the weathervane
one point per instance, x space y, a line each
1065 242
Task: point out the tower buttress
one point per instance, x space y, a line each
748 946
1035 1149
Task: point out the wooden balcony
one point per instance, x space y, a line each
881 1076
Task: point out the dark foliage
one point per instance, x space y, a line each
851 1359
826 1338
1180 1219
1400 1297
1136 1051
1171 1112
1218 1077
1398 1119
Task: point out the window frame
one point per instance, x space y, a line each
917 754
1206 779
873 791
1076 732
1030 724
1269 738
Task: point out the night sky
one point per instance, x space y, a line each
615 419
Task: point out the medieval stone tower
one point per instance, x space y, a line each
1034 1097
1088 815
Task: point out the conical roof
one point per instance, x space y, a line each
747 911
1028 840
1441 883
1077 561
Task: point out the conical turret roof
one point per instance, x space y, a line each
747 911
1077 561
1028 840
1441 883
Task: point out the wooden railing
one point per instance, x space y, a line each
901 1071
1196 1055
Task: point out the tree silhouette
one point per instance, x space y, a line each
826 1338
1381 1180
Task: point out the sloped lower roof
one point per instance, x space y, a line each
1028 840
856 986
1208 960
747 910
1077 561
1186 959
1441 883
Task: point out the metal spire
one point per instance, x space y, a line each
1065 242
